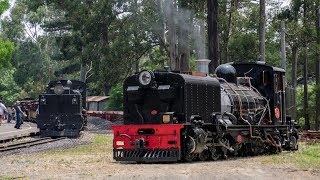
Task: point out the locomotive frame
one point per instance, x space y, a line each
172 117
62 109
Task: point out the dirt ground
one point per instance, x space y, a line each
96 162
82 165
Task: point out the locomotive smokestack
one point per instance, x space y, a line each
203 65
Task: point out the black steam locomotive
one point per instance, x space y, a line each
172 117
62 109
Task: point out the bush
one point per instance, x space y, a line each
115 102
311 104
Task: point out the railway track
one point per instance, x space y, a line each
310 136
25 144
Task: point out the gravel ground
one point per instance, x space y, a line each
39 163
95 126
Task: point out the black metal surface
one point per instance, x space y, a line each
182 94
62 115
245 100
227 72
263 78
196 102
147 155
60 104
76 85
65 133
201 97
290 102
60 121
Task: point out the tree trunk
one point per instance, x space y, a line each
262 31
317 120
213 35
233 8
171 14
83 73
283 46
159 4
294 77
306 108
183 40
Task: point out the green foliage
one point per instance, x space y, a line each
112 37
6 49
311 104
31 64
4 5
32 89
9 90
116 98
154 60
242 48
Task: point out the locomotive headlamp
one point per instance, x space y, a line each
43 100
74 100
145 77
58 89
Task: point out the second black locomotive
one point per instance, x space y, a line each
62 109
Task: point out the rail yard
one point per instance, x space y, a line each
160 89
90 156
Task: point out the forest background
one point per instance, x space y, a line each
105 41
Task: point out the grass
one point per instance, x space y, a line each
102 139
100 143
307 157
9 177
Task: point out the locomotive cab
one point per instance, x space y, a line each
270 82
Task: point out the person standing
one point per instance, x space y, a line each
9 114
19 113
13 113
3 109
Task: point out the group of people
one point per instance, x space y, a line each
11 113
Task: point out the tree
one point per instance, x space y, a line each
262 32
116 98
4 5
9 90
213 34
6 49
317 118
172 38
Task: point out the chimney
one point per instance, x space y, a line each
203 65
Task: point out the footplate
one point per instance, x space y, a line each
147 155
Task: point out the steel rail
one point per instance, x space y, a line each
28 143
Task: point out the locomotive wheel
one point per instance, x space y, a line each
293 143
215 155
204 155
190 157
275 150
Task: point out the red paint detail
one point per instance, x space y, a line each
277 112
159 140
154 112
239 138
